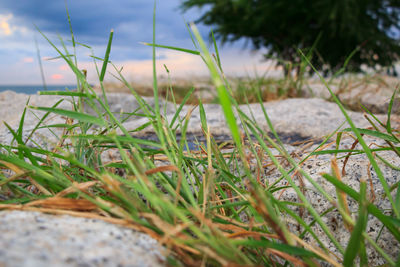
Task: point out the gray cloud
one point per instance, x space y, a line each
92 21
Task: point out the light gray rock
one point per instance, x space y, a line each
374 93
12 105
33 239
318 90
357 168
308 118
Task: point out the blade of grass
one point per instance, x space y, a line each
374 133
389 113
356 238
106 57
104 67
74 115
189 51
178 111
40 64
22 150
216 51
222 92
66 93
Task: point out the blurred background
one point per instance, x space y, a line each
255 37
92 21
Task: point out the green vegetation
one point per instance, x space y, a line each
208 207
330 30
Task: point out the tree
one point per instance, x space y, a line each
333 28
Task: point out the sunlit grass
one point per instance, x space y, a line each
211 206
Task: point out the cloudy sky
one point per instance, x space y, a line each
92 21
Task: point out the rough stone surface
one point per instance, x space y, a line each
373 93
33 239
357 168
308 118
291 116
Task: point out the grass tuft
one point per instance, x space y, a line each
210 206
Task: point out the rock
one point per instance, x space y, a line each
15 103
357 168
35 239
305 118
374 92
295 116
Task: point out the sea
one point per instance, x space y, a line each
33 89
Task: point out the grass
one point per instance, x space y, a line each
209 207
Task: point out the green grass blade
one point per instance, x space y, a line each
356 239
388 122
189 51
41 120
59 57
397 199
21 122
373 116
354 151
222 92
40 64
380 135
106 57
73 67
22 150
291 250
203 117
121 139
66 93
216 51
178 111
37 173
190 34
346 62
338 138
74 115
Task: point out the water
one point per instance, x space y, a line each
33 89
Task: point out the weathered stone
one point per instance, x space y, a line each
312 118
357 168
307 118
374 93
35 239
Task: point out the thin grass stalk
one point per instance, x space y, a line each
223 95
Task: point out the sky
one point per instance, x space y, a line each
92 21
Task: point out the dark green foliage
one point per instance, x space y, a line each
335 27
